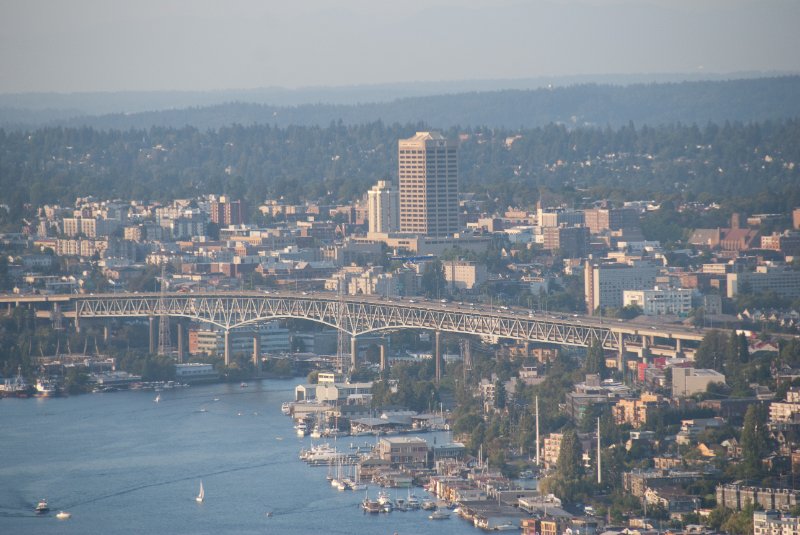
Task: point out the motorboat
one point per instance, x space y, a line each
371 506
384 498
63 515
429 505
439 515
243 385
42 507
286 408
46 388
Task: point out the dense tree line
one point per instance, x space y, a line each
575 105
749 166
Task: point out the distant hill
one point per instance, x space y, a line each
595 105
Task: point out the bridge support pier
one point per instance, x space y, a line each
180 343
384 365
257 351
152 335
227 347
678 346
353 352
77 321
56 318
438 355
621 354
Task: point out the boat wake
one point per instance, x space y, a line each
193 477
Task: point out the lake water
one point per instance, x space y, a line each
121 463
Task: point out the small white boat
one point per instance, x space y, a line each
428 505
158 398
286 408
42 507
63 515
384 498
202 495
243 385
439 515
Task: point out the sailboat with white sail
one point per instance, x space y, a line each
202 495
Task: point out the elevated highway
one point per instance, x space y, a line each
358 315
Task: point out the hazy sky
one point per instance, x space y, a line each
111 45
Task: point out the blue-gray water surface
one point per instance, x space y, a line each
121 463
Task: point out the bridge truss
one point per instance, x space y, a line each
357 317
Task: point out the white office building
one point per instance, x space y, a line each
660 301
383 208
605 284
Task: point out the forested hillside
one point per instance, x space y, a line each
697 102
754 165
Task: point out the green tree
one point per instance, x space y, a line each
499 394
433 283
567 481
754 445
740 522
596 359
712 351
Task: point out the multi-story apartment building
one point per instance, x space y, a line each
636 412
570 241
555 217
601 219
210 341
406 451
660 301
89 227
784 412
428 180
735 496
775 523
225 211
604 284
783 281
464 275
383 206
689 381
786 242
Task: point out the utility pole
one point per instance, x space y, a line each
599 473
537 431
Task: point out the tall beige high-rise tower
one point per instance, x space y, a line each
383 211
428 179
